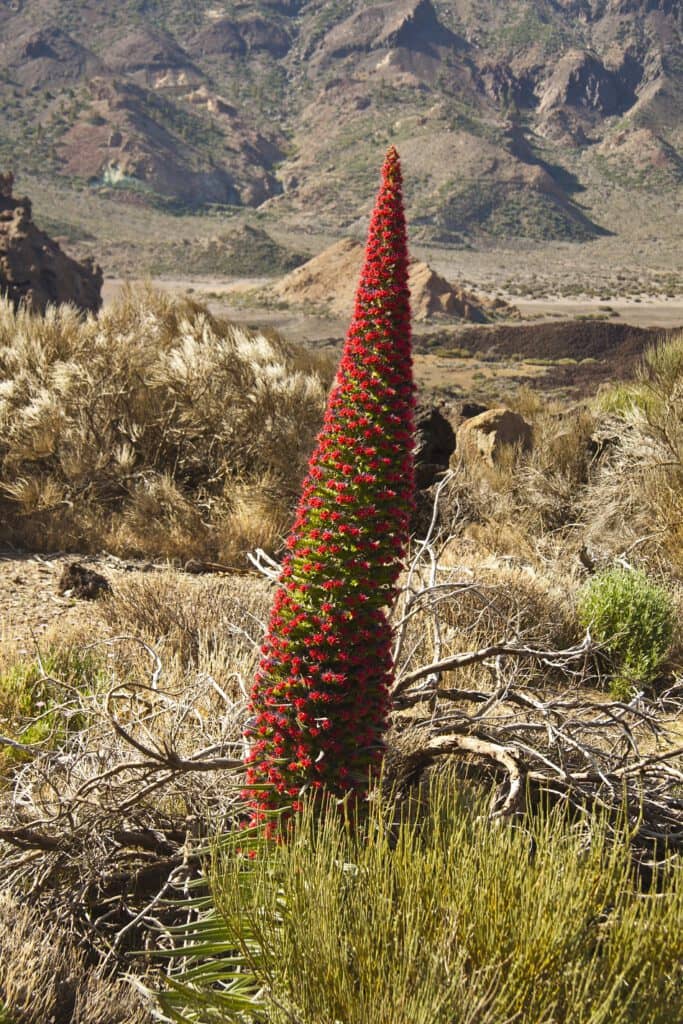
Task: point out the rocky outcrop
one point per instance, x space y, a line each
152 56
220 38
483 438
431 295
48 57
409 24
33 268
580 80
237 38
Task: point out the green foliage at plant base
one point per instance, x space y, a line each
4 1015
634 618
439 918
35 709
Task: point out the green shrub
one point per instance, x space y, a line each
446 919
634 618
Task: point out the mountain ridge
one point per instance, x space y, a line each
512 123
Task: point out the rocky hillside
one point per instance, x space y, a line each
513 120
328 282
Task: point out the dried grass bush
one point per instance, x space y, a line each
154 429
636 504
46 976
526 503
480 600
192 618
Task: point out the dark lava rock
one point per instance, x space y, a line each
78 581
435 443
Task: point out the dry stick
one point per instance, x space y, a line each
506 648
506 756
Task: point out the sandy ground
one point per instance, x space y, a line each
33 612
651 311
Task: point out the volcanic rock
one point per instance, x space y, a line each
125 143
482 438
33 268
48 57
152 55
435 443
581 80
77 580
410 24
235 38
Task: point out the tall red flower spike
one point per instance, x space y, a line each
319 702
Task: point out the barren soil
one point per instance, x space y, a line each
650 311
31 608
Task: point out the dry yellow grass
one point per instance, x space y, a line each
153 430
45 975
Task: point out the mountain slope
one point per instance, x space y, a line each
514 120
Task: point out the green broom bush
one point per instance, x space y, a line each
634 617
446 919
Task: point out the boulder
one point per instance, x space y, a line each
483 437
79 581
33 269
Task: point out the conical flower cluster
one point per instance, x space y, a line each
320 698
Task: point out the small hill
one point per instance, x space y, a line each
245 251
329 279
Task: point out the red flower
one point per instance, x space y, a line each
328 641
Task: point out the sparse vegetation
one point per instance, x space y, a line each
31 702
519 860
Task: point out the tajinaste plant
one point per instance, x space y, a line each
320 699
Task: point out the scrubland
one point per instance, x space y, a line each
535 877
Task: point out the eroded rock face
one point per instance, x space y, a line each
482 438
580 80
125 142
33 268
412 24
237 37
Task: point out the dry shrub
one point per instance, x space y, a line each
44 976
482 601
522 504
150 429
512 600
636 504
192 617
